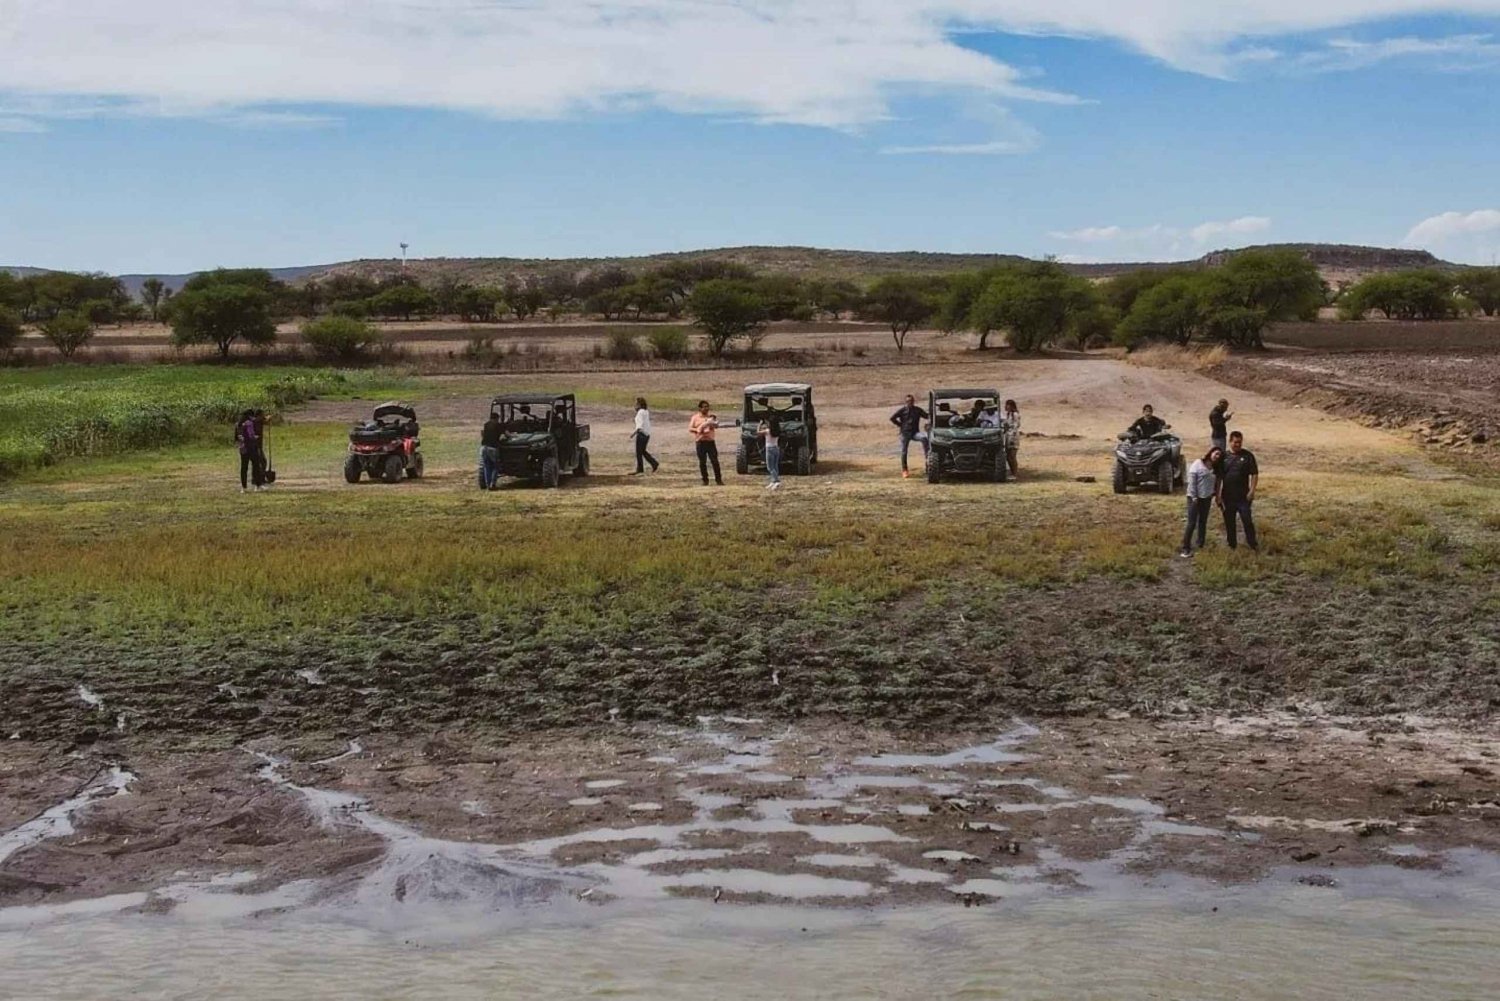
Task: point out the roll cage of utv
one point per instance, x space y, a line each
959 444
791 403
541 438
387 446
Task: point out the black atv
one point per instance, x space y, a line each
792 404
541 438
387 446
1148 460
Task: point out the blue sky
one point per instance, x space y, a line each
160 136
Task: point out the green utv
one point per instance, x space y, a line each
967 436
541 438
792 403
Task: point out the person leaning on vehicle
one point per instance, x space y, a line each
1218 425
489 453
1148 424
908 421
702 426
1238 475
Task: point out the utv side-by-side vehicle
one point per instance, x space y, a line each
967 436
541 438
1148 461
792 404
386 446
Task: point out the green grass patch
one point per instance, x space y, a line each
54 413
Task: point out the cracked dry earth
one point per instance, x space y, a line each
745 811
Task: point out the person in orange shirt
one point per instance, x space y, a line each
702 427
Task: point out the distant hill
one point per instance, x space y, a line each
1337 262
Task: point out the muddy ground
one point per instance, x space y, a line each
749 810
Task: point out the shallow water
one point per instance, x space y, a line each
1395 935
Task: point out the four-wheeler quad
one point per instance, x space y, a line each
1154 460
967 435
386 446
792 404
541 438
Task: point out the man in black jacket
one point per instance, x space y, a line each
908 421
1148 424
1239 474
489 453
1218 425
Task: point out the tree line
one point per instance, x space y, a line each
1034 304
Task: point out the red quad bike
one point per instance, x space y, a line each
386 446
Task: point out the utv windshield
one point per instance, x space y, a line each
966 412
785 408
523 418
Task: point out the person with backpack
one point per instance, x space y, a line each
642 437
908 421
248 437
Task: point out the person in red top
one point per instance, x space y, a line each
702 426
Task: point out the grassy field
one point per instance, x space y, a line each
200 614
53 413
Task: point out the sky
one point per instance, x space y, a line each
175 135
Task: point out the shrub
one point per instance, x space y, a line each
68 332
10 330
622 345
669 343
357 308
340 338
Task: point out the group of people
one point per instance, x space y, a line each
910 418
1225 477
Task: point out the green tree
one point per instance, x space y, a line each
68 332
221 314
524 296
1483 286
340 338
1035 303
1171 310
151 290
902 302
834 298
1122 291
726 309
1419 294
1254 289
10 330
404 301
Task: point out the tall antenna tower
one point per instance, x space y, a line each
403 255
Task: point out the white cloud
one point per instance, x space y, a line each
1470 237
1451 52
1159 239
16 123
830 63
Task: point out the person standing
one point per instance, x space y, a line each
1218 425
642 436
908 421
770 433
1202 485
247 439
1010 419
1238 476
489 453
702 426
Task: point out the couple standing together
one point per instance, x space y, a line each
1226 477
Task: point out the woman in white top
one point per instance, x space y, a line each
642 436
1010 419
1201 482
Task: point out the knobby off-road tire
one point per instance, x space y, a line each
934 468
352 469
1166 476
549 471
1001 471
804 462
742 460
1119 478
582 469
414 471
393 469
